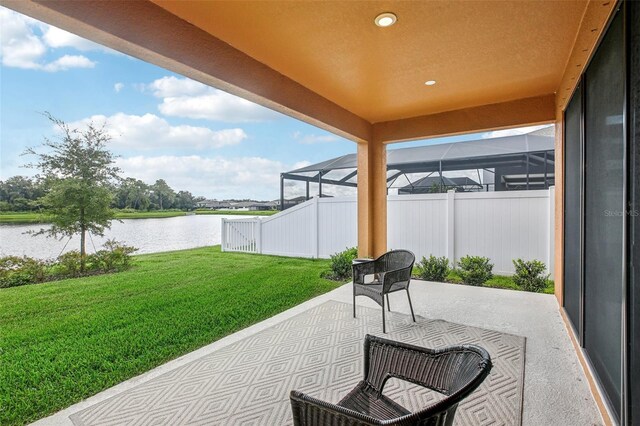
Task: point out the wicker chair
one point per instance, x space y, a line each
454 371
391 271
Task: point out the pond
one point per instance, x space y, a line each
148 235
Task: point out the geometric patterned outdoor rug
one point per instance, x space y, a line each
319 352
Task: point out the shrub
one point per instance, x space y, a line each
475 270
36 269
69 264
116 256
433 268
92 264
16 271
530 275
341 265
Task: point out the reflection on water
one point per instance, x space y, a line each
148 235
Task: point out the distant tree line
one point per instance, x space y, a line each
135 194
19 193
23 194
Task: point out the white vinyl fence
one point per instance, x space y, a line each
315 228
499 225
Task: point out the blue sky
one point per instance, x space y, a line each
163 125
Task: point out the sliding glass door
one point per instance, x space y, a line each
596 236
633 360
604 215
573 192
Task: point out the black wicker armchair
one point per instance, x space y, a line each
391 271
454 371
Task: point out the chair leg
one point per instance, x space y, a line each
354 302
384 329
388 304
411 306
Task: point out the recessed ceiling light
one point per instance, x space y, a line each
386 19
430 82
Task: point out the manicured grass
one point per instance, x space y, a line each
149 215
22 217
63 341
239 212
32 217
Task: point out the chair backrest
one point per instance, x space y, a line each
395 259
455 371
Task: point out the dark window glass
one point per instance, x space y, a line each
604 210
633 9
573 209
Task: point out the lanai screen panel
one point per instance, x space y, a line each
481 153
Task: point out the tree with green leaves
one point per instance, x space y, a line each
77 170
19 193
134 194
163 195
185 201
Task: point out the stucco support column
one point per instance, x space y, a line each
372 199
558 274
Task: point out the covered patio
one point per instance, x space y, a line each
555 389
444 68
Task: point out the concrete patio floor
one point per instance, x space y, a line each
555 388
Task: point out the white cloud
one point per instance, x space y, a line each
219 106
512 132
217 177
150 132
167 87
300 164
20 46
67 62
183 97
57 38
118 87
24 42
312 139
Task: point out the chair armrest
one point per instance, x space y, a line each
362 269
389 278
310 411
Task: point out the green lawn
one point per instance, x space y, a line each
22 217
239 212
32 217
63 341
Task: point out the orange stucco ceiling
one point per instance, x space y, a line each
479 52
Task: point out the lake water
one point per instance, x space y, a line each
148 235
